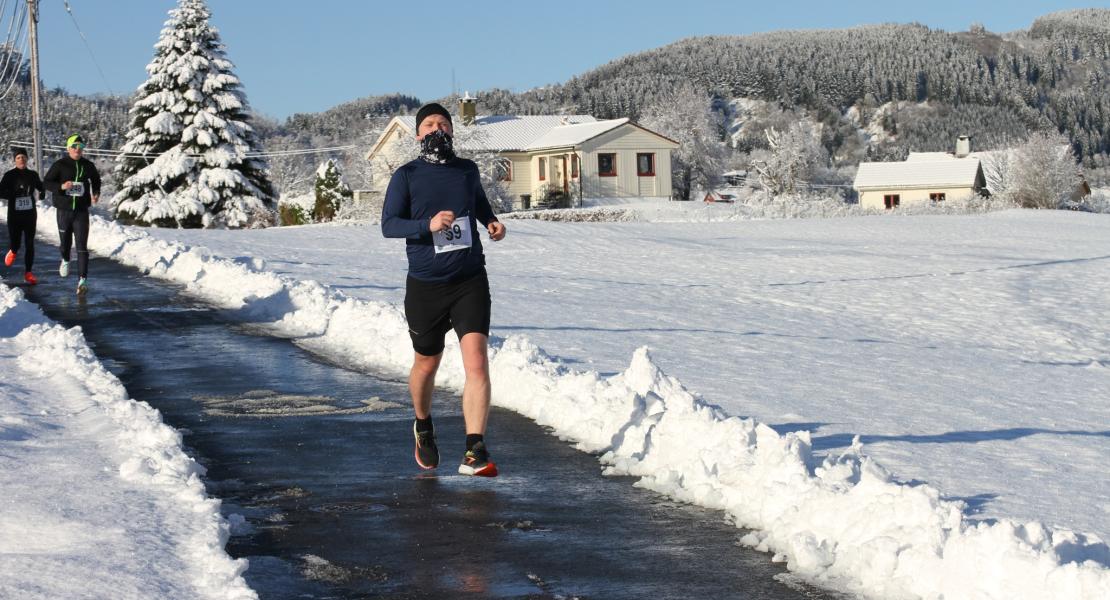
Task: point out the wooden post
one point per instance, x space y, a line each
36 110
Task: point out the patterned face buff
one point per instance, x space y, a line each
437 147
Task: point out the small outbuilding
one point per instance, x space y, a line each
891 184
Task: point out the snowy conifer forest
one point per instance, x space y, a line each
869 93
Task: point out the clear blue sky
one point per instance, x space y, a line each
297 56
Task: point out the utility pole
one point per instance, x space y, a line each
36 110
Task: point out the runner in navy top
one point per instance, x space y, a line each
436 203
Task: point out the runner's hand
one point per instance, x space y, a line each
441 221
66 185
95 198
496 231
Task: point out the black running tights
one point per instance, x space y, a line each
75 224
21 227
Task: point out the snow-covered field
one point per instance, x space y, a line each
967 353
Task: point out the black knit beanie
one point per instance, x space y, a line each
432 108
17 151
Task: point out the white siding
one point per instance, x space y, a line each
626 142
874 198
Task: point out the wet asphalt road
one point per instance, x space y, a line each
318 460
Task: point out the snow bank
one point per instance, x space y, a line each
101 499
843 520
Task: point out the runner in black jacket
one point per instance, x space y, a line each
437 202
21 187
75 185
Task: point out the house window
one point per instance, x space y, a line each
937 197
543 169
504 169
607 165
574 166
645 165
891 200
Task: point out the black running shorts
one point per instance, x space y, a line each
433 309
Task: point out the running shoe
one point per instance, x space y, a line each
427 453
63 269
476 462
30 278
82 287
9 258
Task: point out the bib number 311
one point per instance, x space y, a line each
455 237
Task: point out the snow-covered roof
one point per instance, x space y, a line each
504 133
572 135
923 156
957 172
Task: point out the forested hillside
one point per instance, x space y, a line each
995 88
876 91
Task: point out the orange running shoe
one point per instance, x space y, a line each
30 278
9 258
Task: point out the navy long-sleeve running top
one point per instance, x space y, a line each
420 189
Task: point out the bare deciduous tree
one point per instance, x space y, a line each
1043 172
686 117
792 157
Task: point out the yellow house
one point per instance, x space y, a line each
891 184
573 160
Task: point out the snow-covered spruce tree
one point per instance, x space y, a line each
331 192
185 161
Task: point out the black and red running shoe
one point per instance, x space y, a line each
476 462
427 454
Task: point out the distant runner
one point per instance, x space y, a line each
436 203
75 184
21 187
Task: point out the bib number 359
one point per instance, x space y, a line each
455 237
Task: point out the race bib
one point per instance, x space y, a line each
455 237
78 189
24 203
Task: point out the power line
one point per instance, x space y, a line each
14 48
119 154
89 48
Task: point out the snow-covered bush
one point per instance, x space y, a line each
185 162
296 209
576 215
757 205
1097 202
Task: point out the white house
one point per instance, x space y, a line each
923 177
887 185
551 157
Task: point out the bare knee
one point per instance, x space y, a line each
475 356
477 369
425 366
